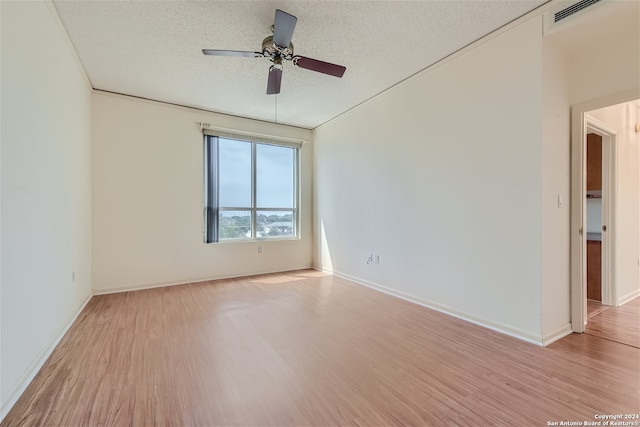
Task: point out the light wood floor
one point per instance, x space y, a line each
306 348
621 324
594 307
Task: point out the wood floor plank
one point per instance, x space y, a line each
308 348
621 324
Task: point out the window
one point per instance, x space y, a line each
250 190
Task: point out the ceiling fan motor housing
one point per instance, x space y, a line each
273 51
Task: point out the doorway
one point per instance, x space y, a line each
599 226
605 126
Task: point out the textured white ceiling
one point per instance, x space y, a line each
152 49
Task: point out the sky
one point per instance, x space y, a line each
274 181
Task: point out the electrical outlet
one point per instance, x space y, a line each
259 249
73 276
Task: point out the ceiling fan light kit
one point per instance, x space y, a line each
278 48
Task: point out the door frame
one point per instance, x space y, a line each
578 200
609 203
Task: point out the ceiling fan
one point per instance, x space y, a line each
278 48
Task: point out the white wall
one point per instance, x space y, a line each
555 202
46 201
609 67
441 176
622 118
147 199
590 58
594 56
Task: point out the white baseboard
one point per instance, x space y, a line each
559 333
143 286
35 367
485 323
628 297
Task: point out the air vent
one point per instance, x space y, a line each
575 8
566 11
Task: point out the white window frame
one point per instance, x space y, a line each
212 210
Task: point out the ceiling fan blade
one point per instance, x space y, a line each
218 52
319 66
283 26
275 78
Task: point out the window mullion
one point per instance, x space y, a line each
296 191
254 215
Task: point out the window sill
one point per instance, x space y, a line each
261 240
